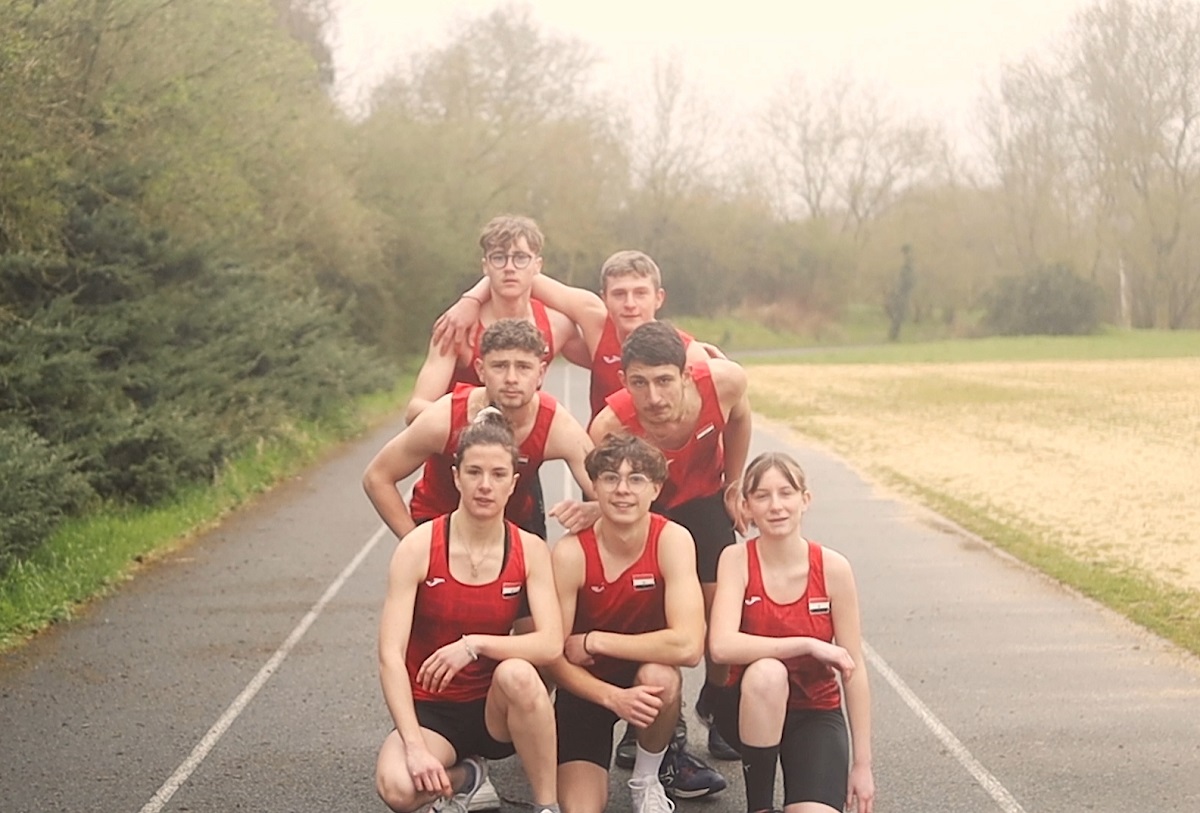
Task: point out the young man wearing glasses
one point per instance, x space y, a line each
631 294
511 260
632 604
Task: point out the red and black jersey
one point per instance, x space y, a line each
811 684
632 603
446 609
697 468
606 365
435 493
467 375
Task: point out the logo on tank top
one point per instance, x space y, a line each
643 581
705 431
750 602
597 588
818 606
611 359
510 589
434 582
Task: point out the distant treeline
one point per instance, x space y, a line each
198 246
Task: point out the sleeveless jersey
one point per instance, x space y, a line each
632 603
446 609
696 469
435 493
467 375
606 365
811 684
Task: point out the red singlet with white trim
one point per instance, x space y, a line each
632 603
697 468
446 609
435 493
811 685
606 365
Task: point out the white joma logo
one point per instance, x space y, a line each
611 359
434 582
753 600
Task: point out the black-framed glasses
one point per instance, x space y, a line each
520 259
636 482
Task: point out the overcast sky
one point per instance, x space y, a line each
931 56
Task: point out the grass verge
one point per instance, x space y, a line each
89 556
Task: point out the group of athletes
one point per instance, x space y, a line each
494 643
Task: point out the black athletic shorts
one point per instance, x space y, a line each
709 524
585 729
814 753
463 724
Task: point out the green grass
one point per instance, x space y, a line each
1168 611
1113 344
88 556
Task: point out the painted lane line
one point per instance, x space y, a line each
209 740
990 783
565 400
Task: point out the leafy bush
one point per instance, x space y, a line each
38 488
1051 300
148 366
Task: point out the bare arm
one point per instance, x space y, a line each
606 423
581 306
433 380
728 644
400 457
731 388
681 642
410 562
453 328
638 704
847 632
569 442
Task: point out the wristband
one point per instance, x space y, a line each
470 649
587 651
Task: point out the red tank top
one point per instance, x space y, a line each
467 375
632 603
697 468
446 609
606 365
811 684
435 493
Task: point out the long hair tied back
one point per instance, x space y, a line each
489 427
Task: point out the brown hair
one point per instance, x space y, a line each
512 334
504 230
488 428
630 263
783 463
654 344
617 448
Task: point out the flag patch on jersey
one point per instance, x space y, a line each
510 589
523 460
706 430
818 606
643 581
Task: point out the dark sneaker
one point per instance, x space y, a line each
719 748
627 748
683 776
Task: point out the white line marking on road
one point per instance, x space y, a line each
209 740
984 777
568 479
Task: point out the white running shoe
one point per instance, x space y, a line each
485 798
649 796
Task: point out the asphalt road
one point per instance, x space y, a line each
239 673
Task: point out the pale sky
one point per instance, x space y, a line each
930 56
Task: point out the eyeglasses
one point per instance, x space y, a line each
520 260
635 482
